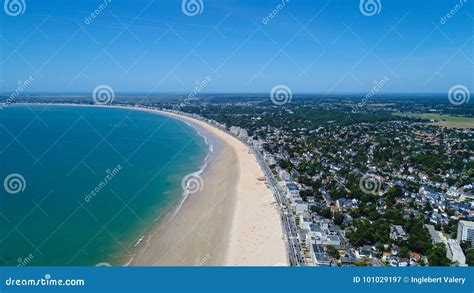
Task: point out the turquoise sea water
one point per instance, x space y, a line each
133 161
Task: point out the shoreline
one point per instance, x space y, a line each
255 235
233 221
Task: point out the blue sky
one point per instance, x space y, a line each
311 46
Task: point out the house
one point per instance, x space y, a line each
348 261
365 252
403 262
320 257
397 233
332 240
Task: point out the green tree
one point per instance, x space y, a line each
437 255
338 218
333 251
326 213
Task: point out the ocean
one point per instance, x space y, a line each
82 185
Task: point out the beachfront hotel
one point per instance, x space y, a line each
466 231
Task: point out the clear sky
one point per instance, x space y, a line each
311 46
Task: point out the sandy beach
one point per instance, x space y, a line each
233 221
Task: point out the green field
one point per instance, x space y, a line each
441 120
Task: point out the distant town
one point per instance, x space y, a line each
357 182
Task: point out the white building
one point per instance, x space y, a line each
239 132
436 236
466 231
454 252
299 207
